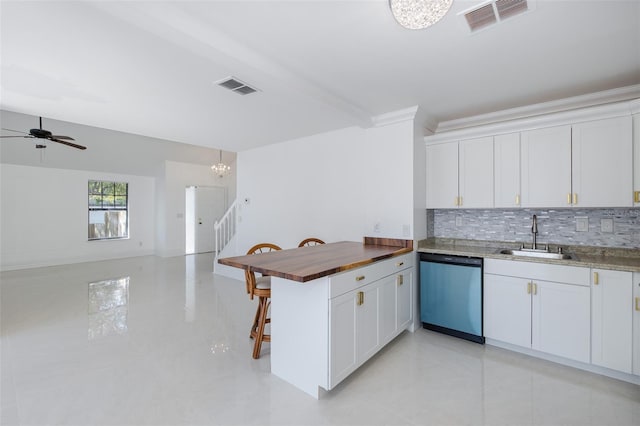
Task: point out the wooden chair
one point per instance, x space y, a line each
261 288
310 242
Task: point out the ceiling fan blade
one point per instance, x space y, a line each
68 138
17 131
73 145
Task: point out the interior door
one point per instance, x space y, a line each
210 205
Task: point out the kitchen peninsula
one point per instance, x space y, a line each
333 306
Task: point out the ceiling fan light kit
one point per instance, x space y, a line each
419 14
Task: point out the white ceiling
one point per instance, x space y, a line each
149 67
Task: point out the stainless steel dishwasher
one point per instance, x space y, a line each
451 295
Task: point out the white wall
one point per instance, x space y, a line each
170 207
335 186
44 217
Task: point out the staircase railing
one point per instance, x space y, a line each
225 228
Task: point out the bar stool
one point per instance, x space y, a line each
310 242
261 288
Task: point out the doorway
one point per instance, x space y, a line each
204 205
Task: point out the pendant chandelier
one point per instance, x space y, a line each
221 169
419 14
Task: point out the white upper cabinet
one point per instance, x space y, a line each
546 167
442 176
460 175
475 173
506 163
602 163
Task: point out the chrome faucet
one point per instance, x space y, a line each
534 231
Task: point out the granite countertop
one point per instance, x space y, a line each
591 257
309 263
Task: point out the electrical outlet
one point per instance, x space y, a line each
606 225
458 221
376 227
582 224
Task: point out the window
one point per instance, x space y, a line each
108 210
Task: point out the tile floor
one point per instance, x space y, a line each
152 341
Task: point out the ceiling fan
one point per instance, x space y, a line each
45 134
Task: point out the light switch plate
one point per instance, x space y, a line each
606 225
582 224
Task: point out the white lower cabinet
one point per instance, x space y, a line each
611 319
539 306
368 315
636 323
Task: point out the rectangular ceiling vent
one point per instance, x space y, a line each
490 13
236 86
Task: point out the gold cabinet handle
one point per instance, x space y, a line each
460 200
360 278
535 288
636 197
399 264
517 199
575 198
596 278
399 279
455 201
529 287
569 198
360 298
637 303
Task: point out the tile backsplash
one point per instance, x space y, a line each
555 226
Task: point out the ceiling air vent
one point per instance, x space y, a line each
236 86
489 13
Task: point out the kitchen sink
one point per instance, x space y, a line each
536 253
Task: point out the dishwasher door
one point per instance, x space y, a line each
451 295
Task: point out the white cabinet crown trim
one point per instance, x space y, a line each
537 121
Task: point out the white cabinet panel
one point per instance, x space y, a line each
404 299
602 163
636 159
507 309
367 331
475 173
442 176
343 337
611 319
388 306
636 323
546 167
560 319
506 163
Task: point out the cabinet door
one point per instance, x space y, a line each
342 342
404 298
442 176
506 163
611 319
636 323
507 309
475 173
636 159
367 326
546 167
388 306
561 320
602 163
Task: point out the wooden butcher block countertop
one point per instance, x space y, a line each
309 263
